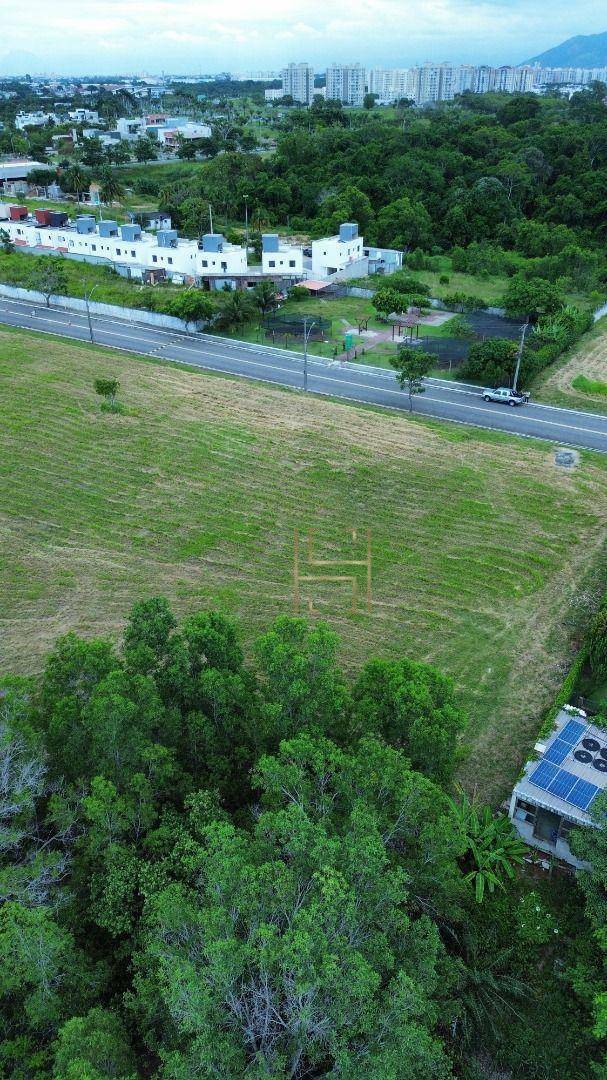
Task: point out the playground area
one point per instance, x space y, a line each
350 329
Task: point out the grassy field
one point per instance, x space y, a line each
482 550
579 380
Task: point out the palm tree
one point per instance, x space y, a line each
487 990
237 308
110 187
265 295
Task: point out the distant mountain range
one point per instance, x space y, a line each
585 50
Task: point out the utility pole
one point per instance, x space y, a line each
211 216
519 354
246 219
307 332
87 297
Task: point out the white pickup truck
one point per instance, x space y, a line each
505 395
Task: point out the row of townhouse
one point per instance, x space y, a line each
210 260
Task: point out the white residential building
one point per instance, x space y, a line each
392 84
35 119
435 82
84 116
211 258
346 83
281 258
131 127
298 81
170 136
273 95
340 255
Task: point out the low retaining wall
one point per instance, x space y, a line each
134 315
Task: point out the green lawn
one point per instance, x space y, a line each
482 550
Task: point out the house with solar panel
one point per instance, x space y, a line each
558 787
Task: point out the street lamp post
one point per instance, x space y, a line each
246 219
307 332
87 297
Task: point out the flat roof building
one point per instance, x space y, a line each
558 788
298 81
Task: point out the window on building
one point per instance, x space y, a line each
133 254
224 266
291 262
170 261
205 262
272 262
93 247
118 251
154 258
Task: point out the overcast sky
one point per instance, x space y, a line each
193 36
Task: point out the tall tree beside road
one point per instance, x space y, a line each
49 278
412 367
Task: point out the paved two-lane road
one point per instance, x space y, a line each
443 399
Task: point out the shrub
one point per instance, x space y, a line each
459 301
597 643
298 292
444 279
491 361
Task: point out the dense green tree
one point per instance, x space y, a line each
492 361
404 224
95 1044
414 708
531 298
237 308
302 686
295 954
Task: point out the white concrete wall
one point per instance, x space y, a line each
133 315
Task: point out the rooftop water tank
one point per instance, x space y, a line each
108 228
348 231
269 242
58 218
167 237
130 232
212 241
85 224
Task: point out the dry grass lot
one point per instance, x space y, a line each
481 548
581 380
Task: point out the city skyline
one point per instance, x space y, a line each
189 37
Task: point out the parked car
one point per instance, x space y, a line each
505 395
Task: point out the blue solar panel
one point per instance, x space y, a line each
558 751
544 775
572 732
582 795
562 784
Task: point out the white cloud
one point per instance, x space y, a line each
195 35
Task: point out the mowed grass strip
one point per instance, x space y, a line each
481 547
